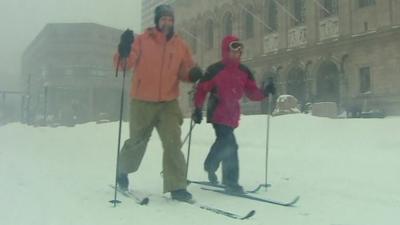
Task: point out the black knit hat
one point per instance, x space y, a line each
163 10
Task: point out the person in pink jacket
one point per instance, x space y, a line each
227 82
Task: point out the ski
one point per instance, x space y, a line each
223 212
207 183
145 201
247 196
258 188
218 211
130 194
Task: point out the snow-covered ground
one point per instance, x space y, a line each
346 172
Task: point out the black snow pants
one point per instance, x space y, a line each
225 151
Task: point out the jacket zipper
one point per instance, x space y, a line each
162 68
170 60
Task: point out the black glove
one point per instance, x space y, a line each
124 47
197 116
195 74
270 88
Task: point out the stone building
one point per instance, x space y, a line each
68 74
347 52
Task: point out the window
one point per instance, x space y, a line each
365 3
329 8
271 17
228 24
249 22
366 26
194 40
365 80
299 12
210 34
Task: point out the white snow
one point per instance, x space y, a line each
346 172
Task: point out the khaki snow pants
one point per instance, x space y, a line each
167 118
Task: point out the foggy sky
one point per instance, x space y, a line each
22 20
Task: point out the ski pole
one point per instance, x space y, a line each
187 135
192 124
115 201
266 185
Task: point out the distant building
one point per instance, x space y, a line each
68 74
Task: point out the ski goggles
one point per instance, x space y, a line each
236 46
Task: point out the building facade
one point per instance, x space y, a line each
68 74
346 52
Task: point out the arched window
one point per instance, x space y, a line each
271 15
299 12
228 24
296 84
249 21
327 82
329 8
210 34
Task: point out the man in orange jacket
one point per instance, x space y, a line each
160 59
